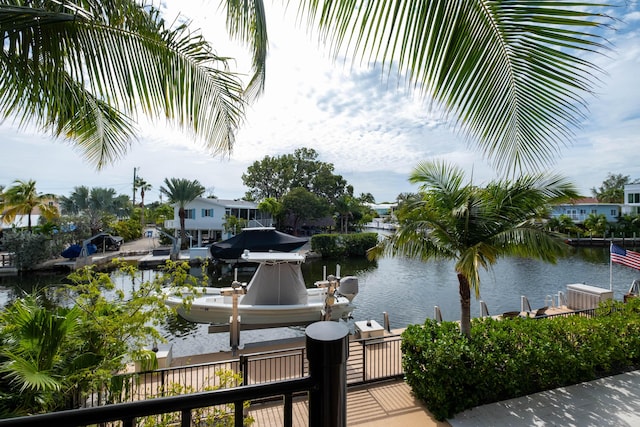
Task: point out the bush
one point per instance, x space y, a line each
510 358
29 249
343 245
128 230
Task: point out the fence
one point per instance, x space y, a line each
369 360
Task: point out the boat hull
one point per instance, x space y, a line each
218 309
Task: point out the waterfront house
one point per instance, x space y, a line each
205 218
580 209
631 199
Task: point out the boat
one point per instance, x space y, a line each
255 239
275 296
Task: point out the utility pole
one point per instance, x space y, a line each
134 186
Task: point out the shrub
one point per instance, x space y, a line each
510 358
343 245
30 249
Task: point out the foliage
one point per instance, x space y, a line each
159 213
64 72
301 205
29 249
130 229
276 176
234 225
181 191
99 205
596 224
62 353
22 199
612 188
504 359
212 416
562 224
627 225
475 226
481 62
343 245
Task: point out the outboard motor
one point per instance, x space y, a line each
348 287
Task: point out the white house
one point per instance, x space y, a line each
631 199
204 218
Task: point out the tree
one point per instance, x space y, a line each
22 199
180 192
475 226
276 176
301 205
612 188
64 71
596 224
100 205
512 74
273 208
144 186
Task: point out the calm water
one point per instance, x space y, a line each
406 289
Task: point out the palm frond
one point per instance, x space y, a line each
512 73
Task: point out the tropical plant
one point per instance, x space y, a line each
513 74
612 188
180 192
29 249
144 186
64 71
22 199
475 226
100 205
596 224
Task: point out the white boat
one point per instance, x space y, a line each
276 295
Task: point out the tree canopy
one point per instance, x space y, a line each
276 176
612 188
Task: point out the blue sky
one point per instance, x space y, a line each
370 129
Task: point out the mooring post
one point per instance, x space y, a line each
327 352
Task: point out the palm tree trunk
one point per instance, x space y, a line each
181 214
465 305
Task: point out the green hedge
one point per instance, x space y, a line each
343 245
515 357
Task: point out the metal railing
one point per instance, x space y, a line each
7 260
370 360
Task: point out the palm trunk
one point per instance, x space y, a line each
465 305
181 214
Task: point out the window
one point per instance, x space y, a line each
207 213
583 211
190 214
633 198
614 212
594 211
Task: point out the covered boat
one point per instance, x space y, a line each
258 239
275 296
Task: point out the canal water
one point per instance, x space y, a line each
406 289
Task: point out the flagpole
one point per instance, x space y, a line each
610 268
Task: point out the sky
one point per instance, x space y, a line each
369 127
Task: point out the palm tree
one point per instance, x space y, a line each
513 75
85 71
143 186
475 226
180 191
22 199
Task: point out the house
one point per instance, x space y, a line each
205 218
580 209
631 199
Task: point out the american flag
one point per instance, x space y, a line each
625 257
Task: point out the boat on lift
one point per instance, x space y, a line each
275 296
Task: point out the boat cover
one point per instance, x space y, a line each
263 239
278 283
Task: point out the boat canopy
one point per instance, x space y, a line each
277 281
262 239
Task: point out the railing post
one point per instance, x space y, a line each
327 352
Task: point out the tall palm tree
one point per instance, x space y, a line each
512 74
476 226
144 186
85 70
23 198
181 191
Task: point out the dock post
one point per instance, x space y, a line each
387 325
327 351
